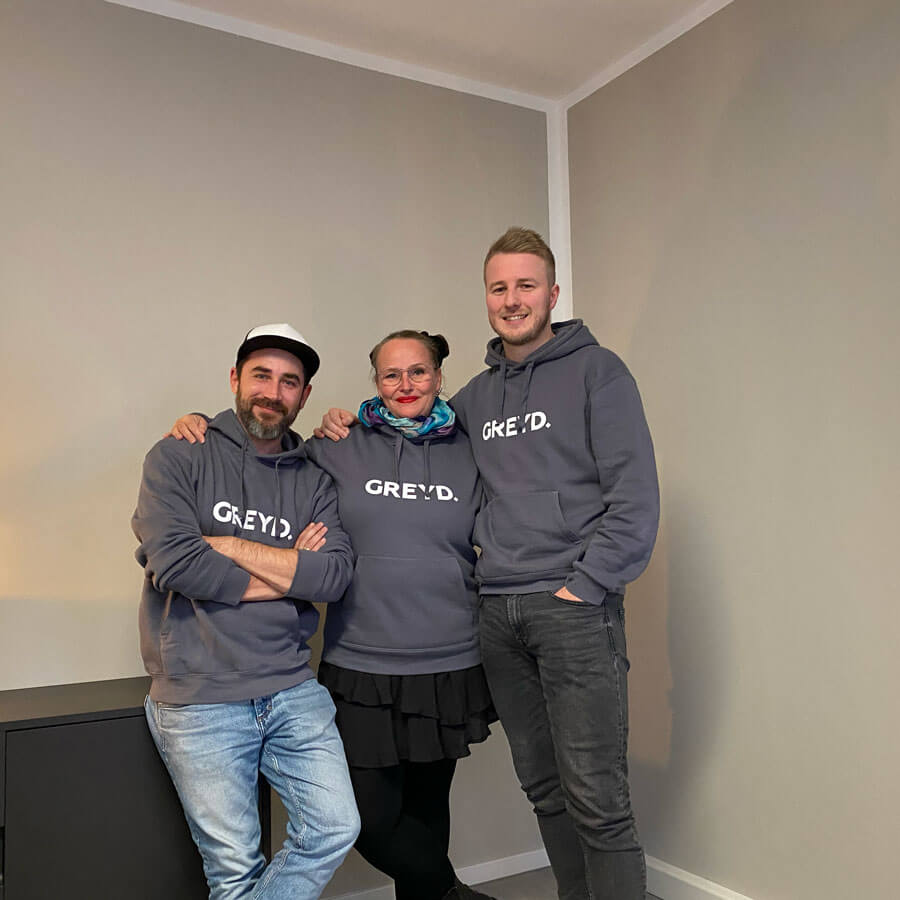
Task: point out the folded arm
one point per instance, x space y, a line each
171 548
275 567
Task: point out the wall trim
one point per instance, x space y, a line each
475 875
172 9
648 48
560 237
671 883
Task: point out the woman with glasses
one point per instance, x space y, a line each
401 656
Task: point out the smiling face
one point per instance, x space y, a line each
269 392
407 357
519 300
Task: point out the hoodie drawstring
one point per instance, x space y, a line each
427 466
278 493
234 527
503 372
529 371
398 449
502 388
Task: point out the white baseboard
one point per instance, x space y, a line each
381 893
501 868
671 883
663 880
477 874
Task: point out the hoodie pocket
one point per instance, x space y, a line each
212 638
524 536
402 605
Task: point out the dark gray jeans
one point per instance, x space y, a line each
558 674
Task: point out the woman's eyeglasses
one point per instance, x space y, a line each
417 375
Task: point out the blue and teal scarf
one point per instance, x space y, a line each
440 423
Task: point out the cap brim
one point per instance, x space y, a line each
303 352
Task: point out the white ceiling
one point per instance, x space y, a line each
546 49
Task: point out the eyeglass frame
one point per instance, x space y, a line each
398 374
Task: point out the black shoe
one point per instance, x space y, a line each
462 891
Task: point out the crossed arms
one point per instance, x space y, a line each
271 569
176 556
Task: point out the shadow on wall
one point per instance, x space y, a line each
678 655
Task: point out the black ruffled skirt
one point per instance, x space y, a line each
388 719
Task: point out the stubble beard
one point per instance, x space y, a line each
517 339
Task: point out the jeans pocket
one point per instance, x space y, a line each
566 602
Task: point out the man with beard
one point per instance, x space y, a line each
238 537
560 440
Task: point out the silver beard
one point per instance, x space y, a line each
260 430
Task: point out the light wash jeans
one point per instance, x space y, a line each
214 753
557 672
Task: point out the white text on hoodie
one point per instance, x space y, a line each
251 520
533 421
408 490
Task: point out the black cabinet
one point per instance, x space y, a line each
87 810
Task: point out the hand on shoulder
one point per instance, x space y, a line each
190 428
336 424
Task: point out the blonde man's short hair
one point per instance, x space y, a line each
523 240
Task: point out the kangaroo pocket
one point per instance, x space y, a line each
523 536
212 638
402 605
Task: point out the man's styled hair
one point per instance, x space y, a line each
523 240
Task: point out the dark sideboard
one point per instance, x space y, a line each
87 810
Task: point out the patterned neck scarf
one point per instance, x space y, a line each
439 423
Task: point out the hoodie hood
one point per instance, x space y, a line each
228 424
568 337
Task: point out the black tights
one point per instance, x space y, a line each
405 812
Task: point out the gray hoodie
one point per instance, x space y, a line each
199 641
568 469
409 505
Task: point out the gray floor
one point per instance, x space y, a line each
536 885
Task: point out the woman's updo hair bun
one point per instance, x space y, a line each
440 349
437 345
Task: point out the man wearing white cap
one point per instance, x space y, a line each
238 537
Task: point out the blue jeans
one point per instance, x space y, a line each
214 753
557 672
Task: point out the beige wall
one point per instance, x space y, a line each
164 187
736 228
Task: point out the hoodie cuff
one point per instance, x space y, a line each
585 589
232 588
309 577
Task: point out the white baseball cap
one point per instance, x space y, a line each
280 337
